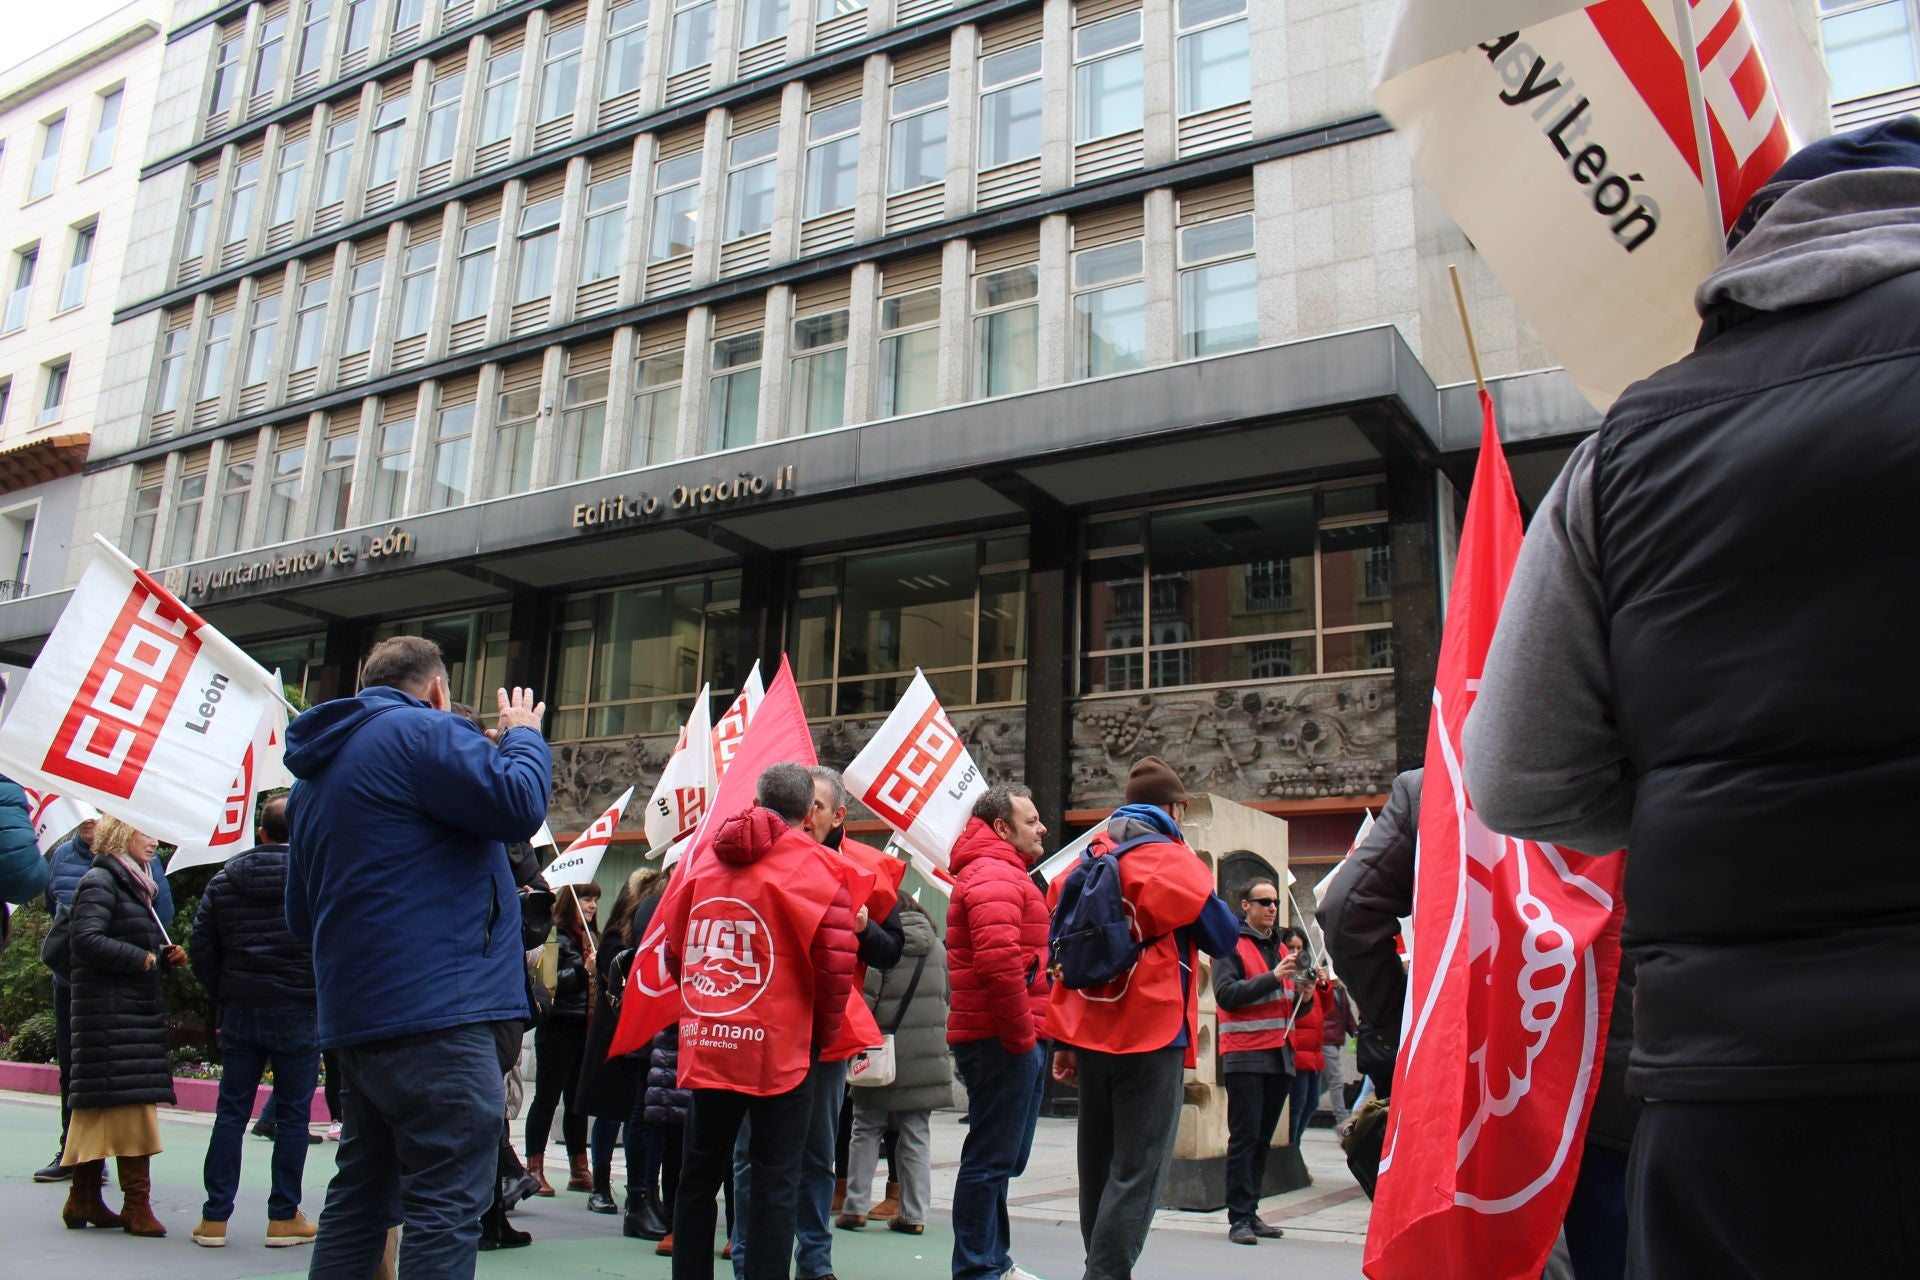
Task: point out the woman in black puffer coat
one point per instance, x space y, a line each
560 1041
608 1084
120 1067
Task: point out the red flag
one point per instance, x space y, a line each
1516 950
778 732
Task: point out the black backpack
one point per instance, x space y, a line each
1090 940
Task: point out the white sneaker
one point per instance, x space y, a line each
333 1133
1018 1272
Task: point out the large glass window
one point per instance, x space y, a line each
1219 287
761 21
626 49
189 496
363 304
25 263
604 243
313 36
146 514
269 55
193 240
473 289
173 363
692 45
389 129
73 286
833 158
632 661
676 207
246 186
230 522
390 470
860 624
517 414
261 329
817 388
452 461
751 163
283 486
1108 78
475 648
910 352
1288 584
336 165
226 75
583 427
1870 46
105 128
417 269
290 167
560 76
1006 331
53 402
443 119
47 167
1109 310
406 13
733 394
1212 55
1012 106
336 483
213 357
359 26
917 138
501 98
655 430
310 325
539 250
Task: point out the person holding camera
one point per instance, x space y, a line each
1312 1002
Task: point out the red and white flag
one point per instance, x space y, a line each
679 799
777 732
263 769
54 817
1326 881
579 861
1560 136
137 707
732 727
1511 985
1062 861
917 775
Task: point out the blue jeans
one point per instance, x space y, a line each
419 1143
813 1208
1304 1100
600 1140
1596 1221
1003 1108
250 1040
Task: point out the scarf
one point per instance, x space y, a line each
141 877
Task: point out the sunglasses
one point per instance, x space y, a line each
1264 902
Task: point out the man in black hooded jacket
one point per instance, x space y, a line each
1691 663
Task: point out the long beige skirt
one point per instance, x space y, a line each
95 1133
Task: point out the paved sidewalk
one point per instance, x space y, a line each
1325 1223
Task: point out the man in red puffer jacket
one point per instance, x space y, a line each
997 962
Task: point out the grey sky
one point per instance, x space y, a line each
33 25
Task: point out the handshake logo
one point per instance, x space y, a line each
729 958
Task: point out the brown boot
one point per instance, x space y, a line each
665 1247
537 1170
84 1207
839 1193
581 1178
137 1191
889 1207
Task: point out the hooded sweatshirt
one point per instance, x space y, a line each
398 875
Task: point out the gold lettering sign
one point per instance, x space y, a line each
682 499
274 569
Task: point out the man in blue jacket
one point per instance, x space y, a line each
398 877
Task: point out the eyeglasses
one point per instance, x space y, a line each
1264 902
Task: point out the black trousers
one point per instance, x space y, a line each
1711 1184
558 1048
774 1146
63 1048
1253 1113
1129 1112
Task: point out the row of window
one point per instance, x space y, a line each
44 172
468 448
270 196
52 379
1299 585
73 280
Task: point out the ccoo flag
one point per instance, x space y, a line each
732 727
679 799
916 775
1560 136
262 769
137 707
54 816
579 860
1511 985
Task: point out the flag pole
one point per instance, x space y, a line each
1466 321
1702 134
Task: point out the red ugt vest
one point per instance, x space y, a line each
1258 1026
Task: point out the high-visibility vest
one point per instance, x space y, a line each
1258 1026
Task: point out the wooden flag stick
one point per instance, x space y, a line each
1466 326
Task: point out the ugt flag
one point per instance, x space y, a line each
579 860
54 816
263 769
679 799
1560 136
137 707
917 776
1511 986
778 732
